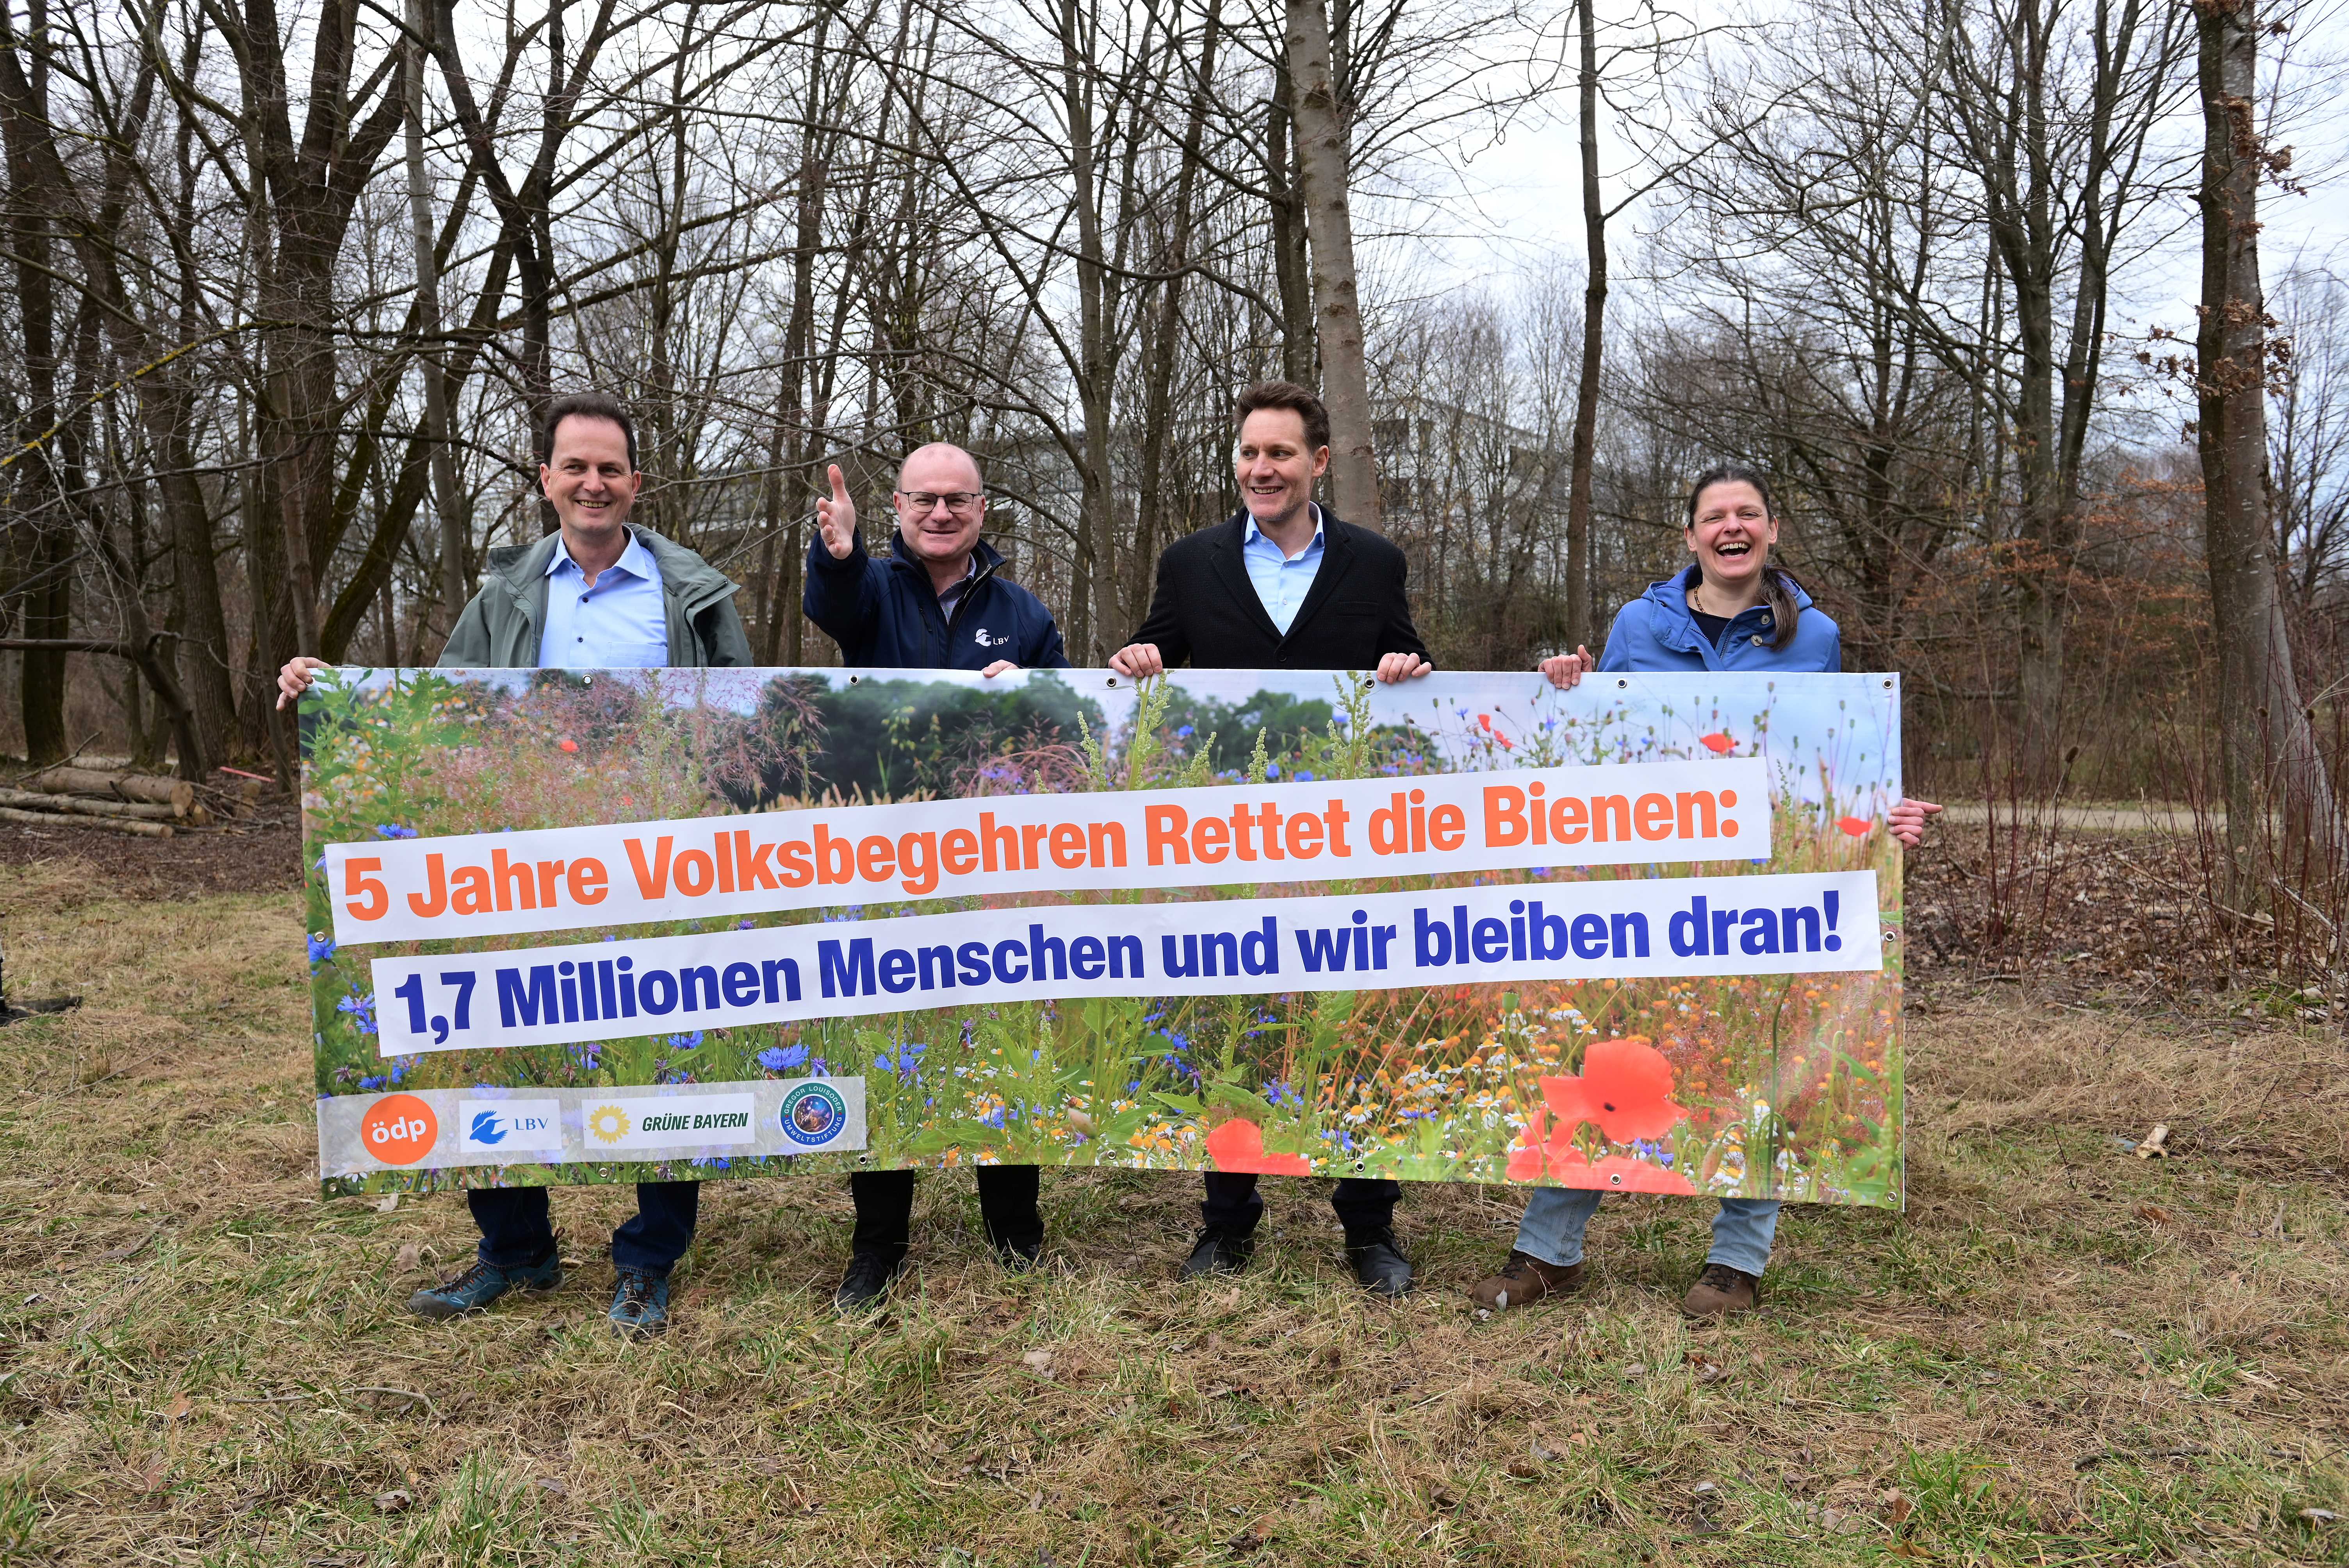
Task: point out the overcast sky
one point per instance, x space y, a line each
1529 187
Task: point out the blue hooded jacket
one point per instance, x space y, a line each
885 614
1655 632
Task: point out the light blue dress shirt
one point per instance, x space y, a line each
621 624
956 591
1281 583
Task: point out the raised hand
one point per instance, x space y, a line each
836 516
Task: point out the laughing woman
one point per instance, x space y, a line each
1730 610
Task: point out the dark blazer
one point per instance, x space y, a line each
1205 612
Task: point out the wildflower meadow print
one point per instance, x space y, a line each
1783 1085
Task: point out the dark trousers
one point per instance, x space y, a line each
884 1207
1233 1207
516 1232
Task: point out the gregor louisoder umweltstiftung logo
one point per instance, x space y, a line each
813 1114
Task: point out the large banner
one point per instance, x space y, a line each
646 924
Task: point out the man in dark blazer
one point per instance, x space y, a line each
1284 585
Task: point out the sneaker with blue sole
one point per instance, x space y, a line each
640 1303
483 1284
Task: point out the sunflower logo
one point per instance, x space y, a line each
608 1123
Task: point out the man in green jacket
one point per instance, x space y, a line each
599 595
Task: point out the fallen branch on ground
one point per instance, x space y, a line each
59 819
176 793
142 810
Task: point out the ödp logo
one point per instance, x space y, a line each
399 1130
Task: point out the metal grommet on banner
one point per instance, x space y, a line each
854 679
1888 683
1112 680
1623 685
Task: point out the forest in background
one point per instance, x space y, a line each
285 289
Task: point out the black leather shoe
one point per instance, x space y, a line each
1380 1265
866 1283
1218 1253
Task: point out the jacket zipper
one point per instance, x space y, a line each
964 604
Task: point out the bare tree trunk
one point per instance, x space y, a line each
2268 747
818 142
454 588
139 642
525 210
1163 351
1321 146
166 403
1580 618
1292 267
48 571
167 410
1096 312
772 605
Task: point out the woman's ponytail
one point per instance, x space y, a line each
1778 591
1778 585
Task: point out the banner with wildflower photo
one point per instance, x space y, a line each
592 927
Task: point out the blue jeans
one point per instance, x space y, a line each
1555 1218
516 1230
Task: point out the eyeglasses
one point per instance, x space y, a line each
955 500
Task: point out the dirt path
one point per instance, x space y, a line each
2095 817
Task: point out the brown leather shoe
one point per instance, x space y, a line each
1720 1292
1525 1280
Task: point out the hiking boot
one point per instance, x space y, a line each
1525 1280
866 1283
1379 1264
1218 1253
484 1282
640 1303
1721 1292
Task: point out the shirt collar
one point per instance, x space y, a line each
635 560
1251 533
969 574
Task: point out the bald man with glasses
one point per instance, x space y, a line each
937 600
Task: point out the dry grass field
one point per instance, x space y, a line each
2059 1354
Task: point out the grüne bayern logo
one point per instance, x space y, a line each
813 1115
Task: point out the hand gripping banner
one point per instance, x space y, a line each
651 924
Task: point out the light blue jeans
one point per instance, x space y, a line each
1555 1218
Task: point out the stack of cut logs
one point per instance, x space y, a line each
140 803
